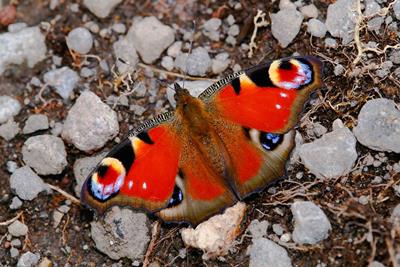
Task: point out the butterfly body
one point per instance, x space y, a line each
231 141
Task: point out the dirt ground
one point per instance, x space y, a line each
353 224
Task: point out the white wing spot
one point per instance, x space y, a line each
144 186
278 106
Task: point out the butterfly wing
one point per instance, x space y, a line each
257 110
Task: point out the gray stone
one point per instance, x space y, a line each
16 243
264 252
332 155
339 70
9 107
119 28
57 217
340 19
17 47
122 233
26 184
14 252
363 200
311 224
211 28
125 50
35 123
90 123
196 64
11 166
230 20
17 229
375 24
175 49
63 80
45 154
316 28
220 63
309 11
371 7
233 30
378 125
286 4
82 168
278 229
167 63
330 43
396 9
395 217
16 27
101 8
28 259
80 40
16 203
137 109
258 229
9 130
283 31
395 56
87 72
150 38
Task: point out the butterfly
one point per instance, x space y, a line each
212 151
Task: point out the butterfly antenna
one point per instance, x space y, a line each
190 51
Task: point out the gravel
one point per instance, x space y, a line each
16 47
278 229
82 168
28 259
63 80
316 28
264 252
45 154
309 11
371 7
80 40
26 184
340 19
35 123
330 43
101 8
311 224
396 9
16 203
167 63
283 31
258 229
198 63
9 130
125 50
332 155
9 107
17 229
211 28
14 252
378 125
150 37
122 233
90 123
175 49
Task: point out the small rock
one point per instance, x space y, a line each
87 72
11 166
28 259
16 243
396 9
14 252
339 70
318 129
340 20
45 154
286 237
278 229
16 203
26 184
371 8
283 31
119 28
175 49
395 56
167 63
35 123
90 123
17 229
374 24
196 64
122 233
63 80
286 4
233 30
316 28
332 155
211 28
218 66
57 217
230 20
216 235
378 125
363 200
101 8
125 50
9 107
82 168
330 43
9 130
150 38
45 262
137 109
264 252
17 47
377 180
258 229
80 40
309 11
311 223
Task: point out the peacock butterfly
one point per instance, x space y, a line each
212 151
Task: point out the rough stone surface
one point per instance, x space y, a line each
311 224
45 154
264 252
150 38
215 236
378 125
258 229
125 50
283 31
309 11
17 228
340 19
26 184
332 155
167 63
63 80
16 47
16 203
35 123
28 259
316 28
82 168
396 9
122 233
9 107
80 40
101 8
195 64
90 123
9 130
